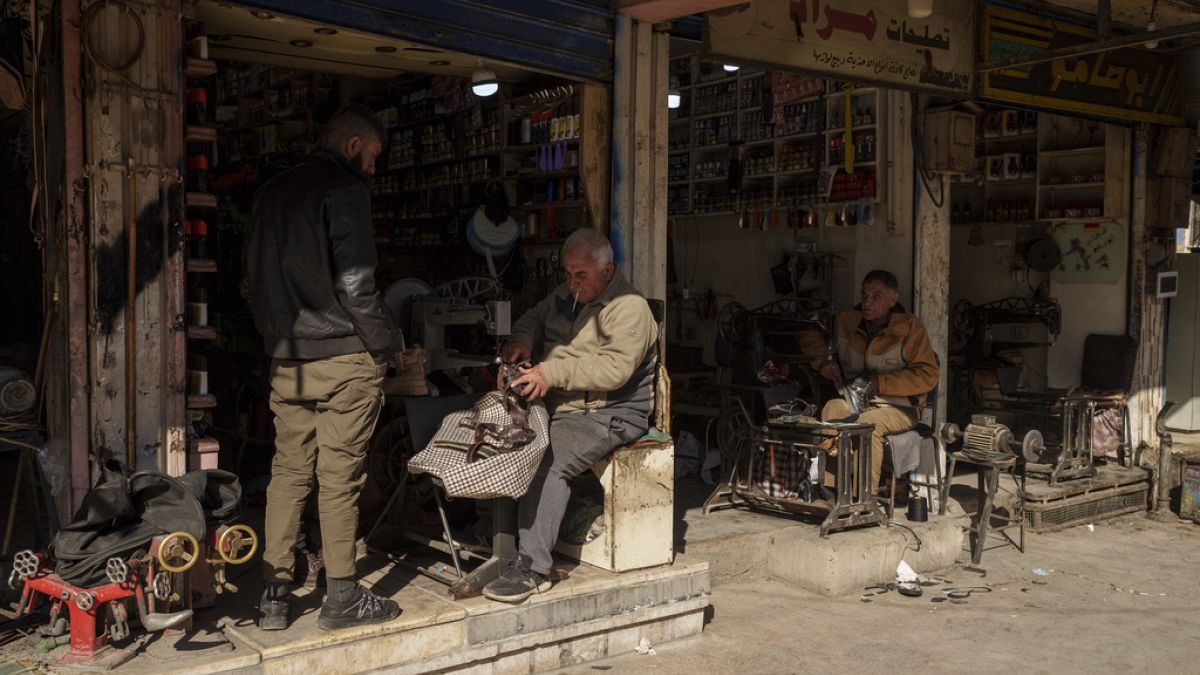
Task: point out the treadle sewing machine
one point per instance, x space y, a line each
1057 426
163 582
782 469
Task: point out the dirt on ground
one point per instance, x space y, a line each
1120 596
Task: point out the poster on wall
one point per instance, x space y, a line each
1128 84
867 40
1092 253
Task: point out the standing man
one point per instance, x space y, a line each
310 278
884 360
595 337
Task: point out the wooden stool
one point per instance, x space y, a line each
988 473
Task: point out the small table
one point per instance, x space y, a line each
853 503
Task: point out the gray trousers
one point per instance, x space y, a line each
577 441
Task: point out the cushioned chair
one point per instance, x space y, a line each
932 453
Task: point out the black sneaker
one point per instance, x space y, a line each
365 608
273 608
517 582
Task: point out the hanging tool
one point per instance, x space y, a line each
131 318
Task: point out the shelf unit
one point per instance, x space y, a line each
1036 168
203 452
782 157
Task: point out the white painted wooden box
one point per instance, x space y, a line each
639 510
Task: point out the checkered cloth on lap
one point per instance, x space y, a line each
503 474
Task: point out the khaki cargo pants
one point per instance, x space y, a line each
325 413
888 420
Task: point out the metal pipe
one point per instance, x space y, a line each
1104 19
1135 40
1162 502
131 322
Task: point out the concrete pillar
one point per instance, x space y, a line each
638 226
931 287
1147 313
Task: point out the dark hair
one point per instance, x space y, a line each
353 120
884 277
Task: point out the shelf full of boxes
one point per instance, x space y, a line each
807 146
1036 167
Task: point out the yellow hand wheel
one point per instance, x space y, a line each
175 546
228 545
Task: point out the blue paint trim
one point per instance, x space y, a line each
572 37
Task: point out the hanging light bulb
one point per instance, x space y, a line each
484 82
730 68
920 9
1152 26
673 97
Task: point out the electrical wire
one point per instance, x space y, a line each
85 25
919 156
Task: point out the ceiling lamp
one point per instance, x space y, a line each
673 98
920 9
484 82
1152 25
730 68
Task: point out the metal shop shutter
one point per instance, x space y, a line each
569 37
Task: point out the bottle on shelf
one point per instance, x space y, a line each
197 375
197 176
197 110
198 241
197 307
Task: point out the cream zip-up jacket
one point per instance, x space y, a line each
603 359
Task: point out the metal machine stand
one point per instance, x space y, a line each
989 485
853 503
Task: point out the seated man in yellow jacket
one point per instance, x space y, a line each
883 364
595 338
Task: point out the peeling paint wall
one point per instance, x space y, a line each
133 122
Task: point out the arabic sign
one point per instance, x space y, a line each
1132 84
1092 253
873 41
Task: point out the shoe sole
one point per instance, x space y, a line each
272 624
334 624
520 597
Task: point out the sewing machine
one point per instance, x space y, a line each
432 317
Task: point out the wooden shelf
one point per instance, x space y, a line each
201 265
544 174
201 401
199 67
1073 152
860 127
201 333
203 445
1071 186
201 134
578 203
1006 139
201 200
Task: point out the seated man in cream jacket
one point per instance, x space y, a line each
595 338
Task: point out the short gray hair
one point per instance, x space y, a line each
353 120
592 241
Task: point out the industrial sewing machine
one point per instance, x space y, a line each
430 314
164 582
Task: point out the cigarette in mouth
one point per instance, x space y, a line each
576 303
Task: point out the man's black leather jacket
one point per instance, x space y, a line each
310 263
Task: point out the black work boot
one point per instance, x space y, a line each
348 604
273 607
517 582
